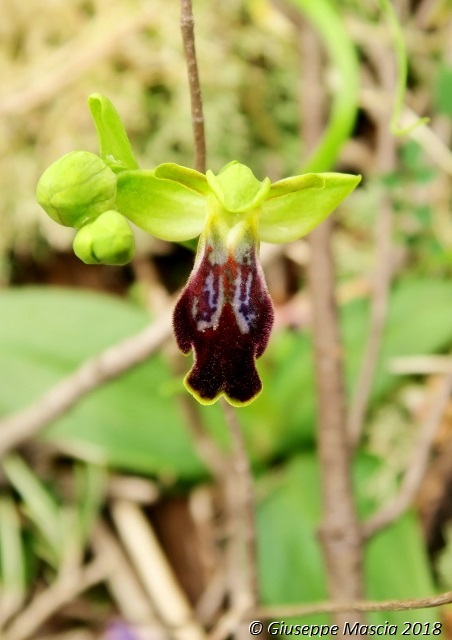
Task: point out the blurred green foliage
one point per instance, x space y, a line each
249 65
136 424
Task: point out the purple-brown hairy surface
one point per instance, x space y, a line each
225 314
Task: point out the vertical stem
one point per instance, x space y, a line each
385 162
244 498
339 531
197 116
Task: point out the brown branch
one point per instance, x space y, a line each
339 532
417 466
54 598
197 116
378 313
385 162
206 446
110 364
286 611
244 496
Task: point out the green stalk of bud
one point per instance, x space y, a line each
106 240
76 189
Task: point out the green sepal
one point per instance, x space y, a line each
292 213
166 209
76 189
189 178
107 240
114 146
237 188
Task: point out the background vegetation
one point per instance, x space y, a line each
129 458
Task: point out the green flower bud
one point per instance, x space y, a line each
107 240
76 188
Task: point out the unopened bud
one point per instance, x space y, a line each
76 189
107 240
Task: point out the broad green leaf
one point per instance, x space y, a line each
132 423
292 215
114 146
290 559
236 187
135 423
287 368
164 208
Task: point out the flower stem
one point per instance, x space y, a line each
197 116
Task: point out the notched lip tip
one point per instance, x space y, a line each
208 402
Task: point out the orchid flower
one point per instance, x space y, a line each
224 314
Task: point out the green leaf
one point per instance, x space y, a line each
295 213
114 146
290 559
343 55
132 423
90 489
287 367
236 187
40 506
164 208
443 93
12 560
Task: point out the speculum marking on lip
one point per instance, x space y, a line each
225 315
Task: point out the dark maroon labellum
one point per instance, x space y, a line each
225 315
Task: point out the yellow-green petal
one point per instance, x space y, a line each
291 214
236 187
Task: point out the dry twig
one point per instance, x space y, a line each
286 611
52 599
385 162
158 579
243 497
92 374
339 534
